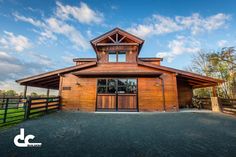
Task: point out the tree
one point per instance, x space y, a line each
10 93
223 65
33 94
219 65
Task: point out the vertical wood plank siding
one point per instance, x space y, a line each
82 95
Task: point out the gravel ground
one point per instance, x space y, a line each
123 134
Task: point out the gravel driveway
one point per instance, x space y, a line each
126 134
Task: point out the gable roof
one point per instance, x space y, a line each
120 31
132 37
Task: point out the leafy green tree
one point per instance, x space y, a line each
219 65
10 93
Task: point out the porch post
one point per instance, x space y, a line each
25 92
215 104
214 94
48 92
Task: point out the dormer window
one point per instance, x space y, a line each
116 57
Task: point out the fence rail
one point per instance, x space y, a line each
227 105
17 109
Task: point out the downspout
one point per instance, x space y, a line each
163 92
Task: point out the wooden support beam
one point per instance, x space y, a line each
203 86
25 92
111 39
196 81
122 39
116 37
214 93
48 92
117 44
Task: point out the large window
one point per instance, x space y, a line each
117 86
117 57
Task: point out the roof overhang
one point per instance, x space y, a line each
137 41
193 79
51 80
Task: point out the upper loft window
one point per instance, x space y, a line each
116 57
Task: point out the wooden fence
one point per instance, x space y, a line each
16 109
227 105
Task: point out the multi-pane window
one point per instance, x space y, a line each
117 56
127 85
117 86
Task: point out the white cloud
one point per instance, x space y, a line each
40 59
56 25
13 68
179 46
15 42
69 31
157 24
29 20
53 26
114 7
68 57
197 24
83 13
141 30
222 43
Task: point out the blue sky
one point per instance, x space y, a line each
39 36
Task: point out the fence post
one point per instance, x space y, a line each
47 104
215 104
5 113
28 107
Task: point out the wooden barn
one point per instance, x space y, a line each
119 80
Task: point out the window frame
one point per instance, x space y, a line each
117 86
117 53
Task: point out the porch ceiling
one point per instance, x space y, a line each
197 83
51 80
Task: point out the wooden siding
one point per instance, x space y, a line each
150 97
185 93
81 97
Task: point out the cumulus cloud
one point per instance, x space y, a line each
179 46
13 68
57 24
158 24
69 31
15 42
83 13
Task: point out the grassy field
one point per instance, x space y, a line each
13 116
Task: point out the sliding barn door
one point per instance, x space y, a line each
117 94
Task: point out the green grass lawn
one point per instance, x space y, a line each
13 116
